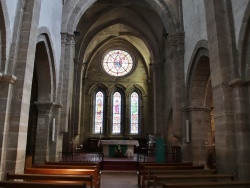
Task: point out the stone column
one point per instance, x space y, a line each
77 97
56 146
6 85
20 102
221 73
157 72
241 114
66 80
200 133
43 132
175 54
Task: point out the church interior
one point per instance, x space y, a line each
168 80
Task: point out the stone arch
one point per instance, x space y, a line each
45 36
94 87
198 99
75 12
244 45
133 32
4 35
136 87
113 87
45 65
42 95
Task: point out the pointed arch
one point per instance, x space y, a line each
45 67
244 45
4 36
74 12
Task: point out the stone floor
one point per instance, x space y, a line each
119 179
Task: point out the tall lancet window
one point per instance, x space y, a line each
116 128
134 113
99 101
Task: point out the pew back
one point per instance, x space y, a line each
87 179
19 184
144 164
218 184
65 171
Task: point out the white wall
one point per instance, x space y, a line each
194 26
51 17
239 7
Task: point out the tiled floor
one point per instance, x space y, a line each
119 179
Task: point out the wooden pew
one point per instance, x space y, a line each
149 170
159 179
143 164
66 166
66 171
74 166
218 184
98 164
72 179
19 184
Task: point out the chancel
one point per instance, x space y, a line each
121 83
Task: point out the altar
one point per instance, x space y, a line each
127 146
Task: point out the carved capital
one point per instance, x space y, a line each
175 39
199 108
64 37
45 108
237 82
68 38
58 105
11 79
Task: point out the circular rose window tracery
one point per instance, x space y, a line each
117 63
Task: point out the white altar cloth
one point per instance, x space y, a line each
129 143
119 142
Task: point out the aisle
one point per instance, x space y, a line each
119 179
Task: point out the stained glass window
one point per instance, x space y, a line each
116 113
99 101
117 63
134 111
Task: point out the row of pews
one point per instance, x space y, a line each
56 175
172 175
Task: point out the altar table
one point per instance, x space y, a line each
107 144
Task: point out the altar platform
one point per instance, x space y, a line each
127 163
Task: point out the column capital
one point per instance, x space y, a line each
57 105
45 107
68 38
175 39
238 82
199 108
11 79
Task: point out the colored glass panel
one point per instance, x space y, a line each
116 128
117 63
99 112
134 111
